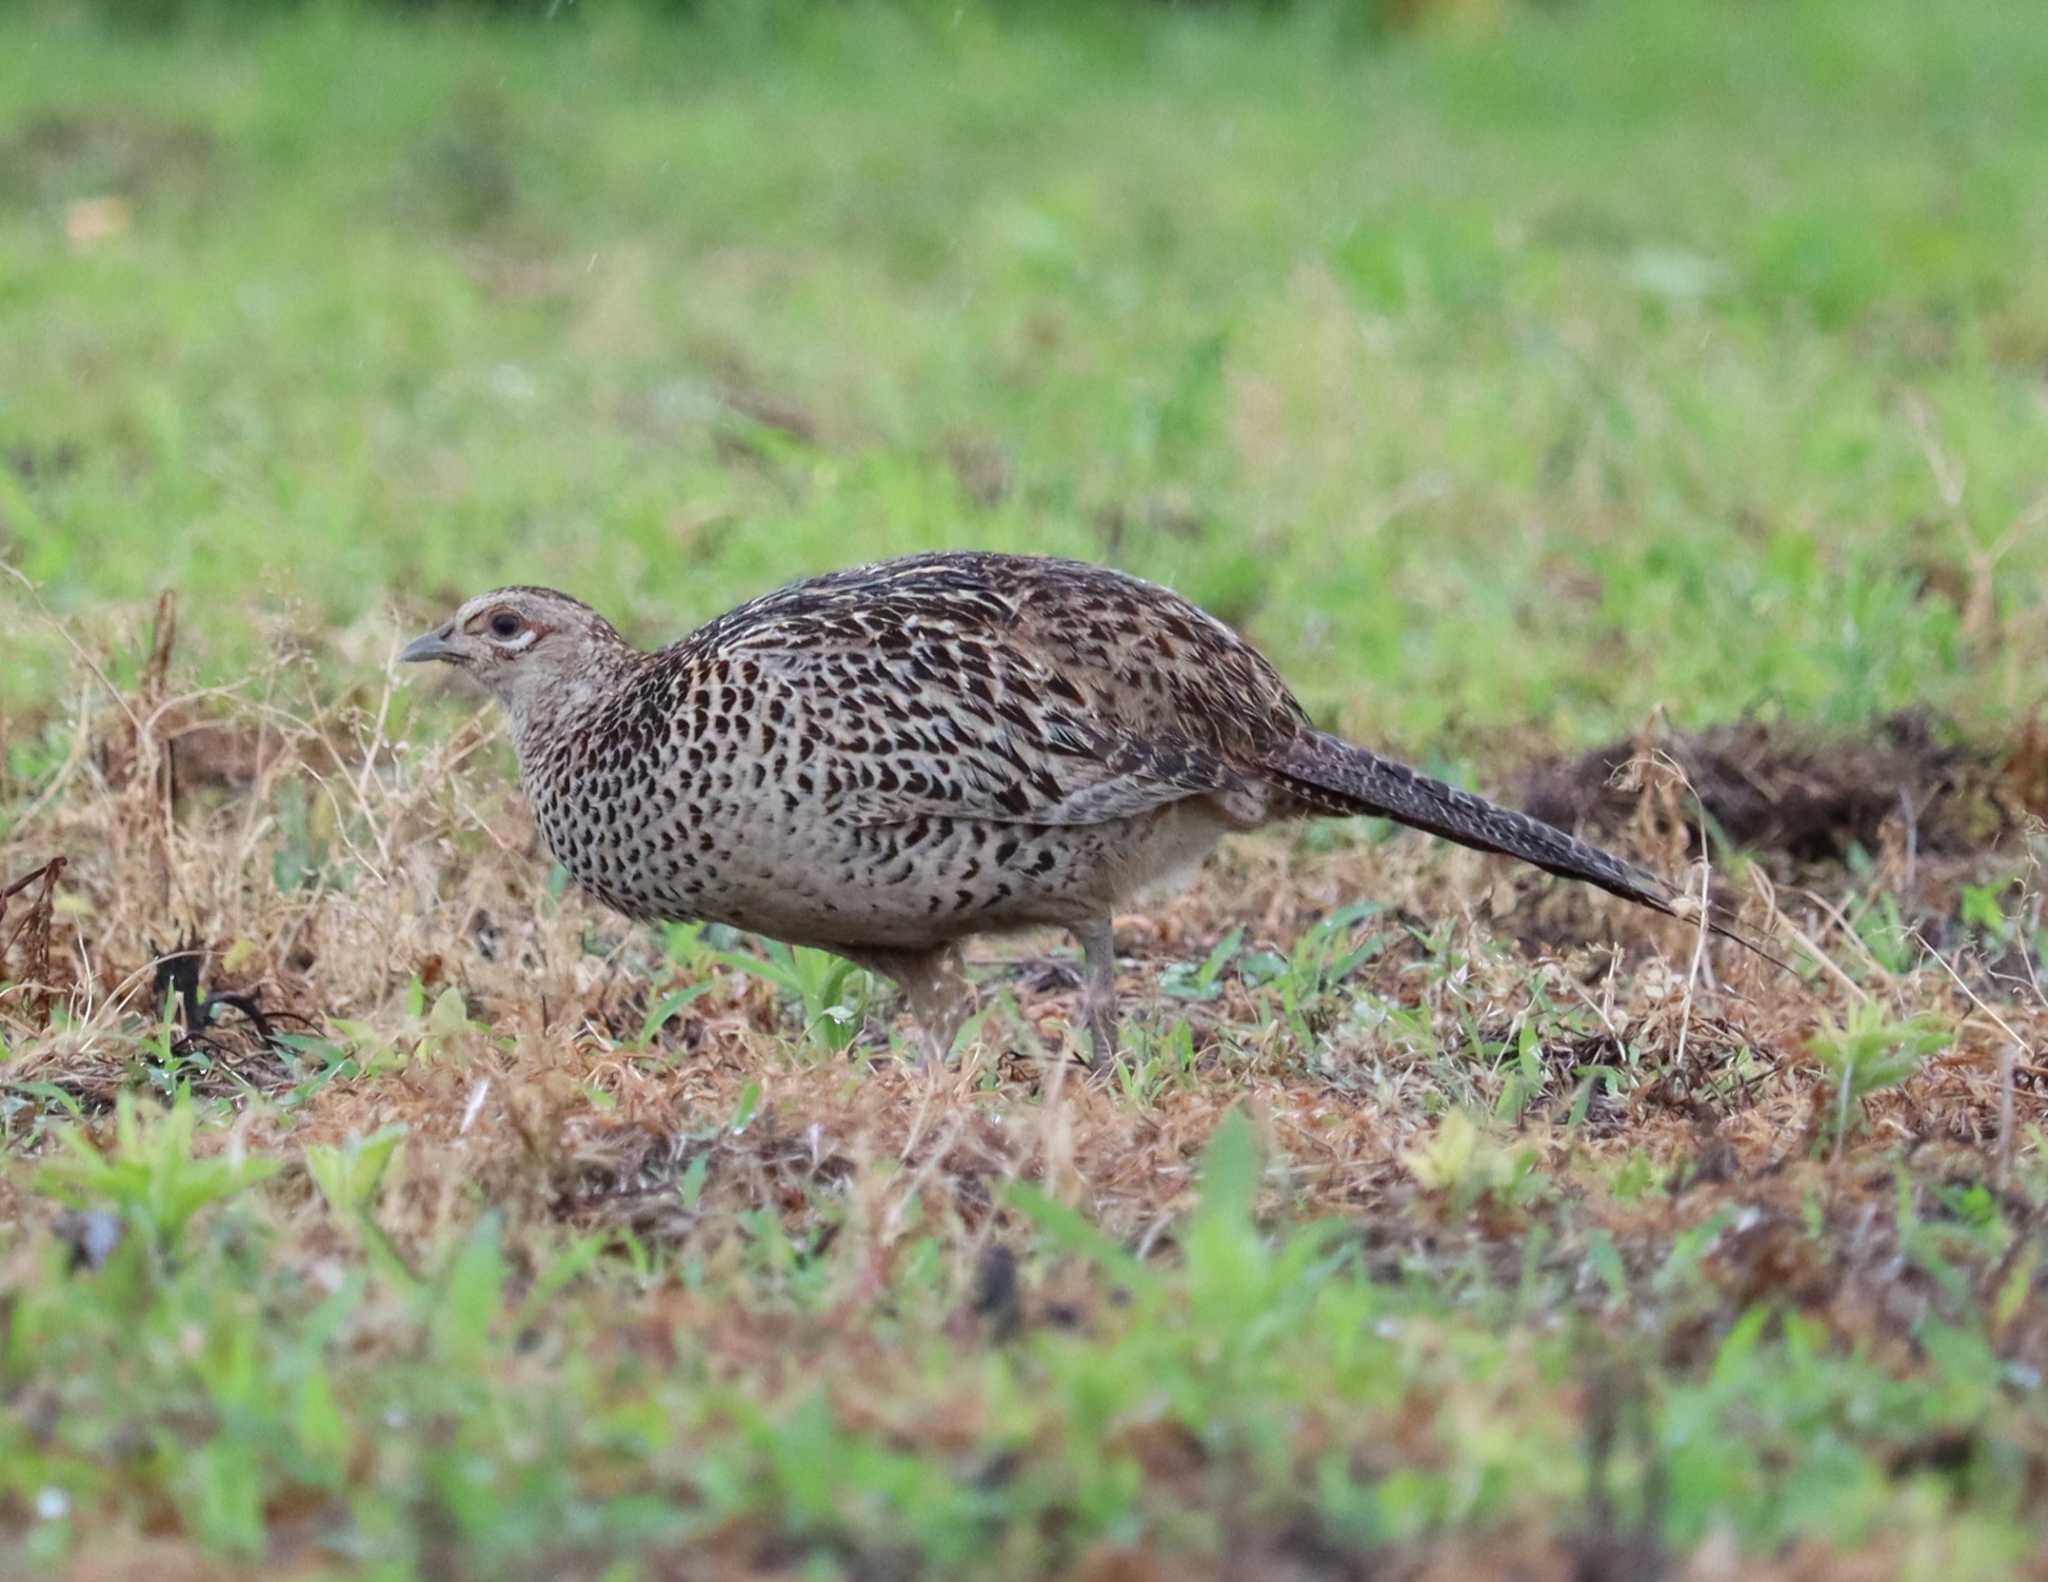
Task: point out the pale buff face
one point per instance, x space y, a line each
521 645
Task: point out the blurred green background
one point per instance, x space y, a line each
1506 370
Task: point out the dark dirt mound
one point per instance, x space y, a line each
1808 796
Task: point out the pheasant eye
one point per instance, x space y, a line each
505 624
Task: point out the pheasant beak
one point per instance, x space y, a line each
432 645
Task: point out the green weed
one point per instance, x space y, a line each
150 1176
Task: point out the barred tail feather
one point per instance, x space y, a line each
1331 775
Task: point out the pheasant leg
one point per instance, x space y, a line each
1098 992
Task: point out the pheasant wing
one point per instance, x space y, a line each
917 732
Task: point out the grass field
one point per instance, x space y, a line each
1543 388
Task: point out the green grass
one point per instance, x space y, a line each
1538 378
504 1414
1506 381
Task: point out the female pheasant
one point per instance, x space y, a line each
885 760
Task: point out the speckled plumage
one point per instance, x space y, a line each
885 760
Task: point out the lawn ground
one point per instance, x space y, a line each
1635 411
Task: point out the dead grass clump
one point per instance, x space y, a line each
1803 797
34 892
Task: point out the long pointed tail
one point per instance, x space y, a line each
1333 776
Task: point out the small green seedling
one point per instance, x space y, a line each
151 1176
1204 981
1873 1053
350 1177
818 981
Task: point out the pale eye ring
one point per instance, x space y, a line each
505 624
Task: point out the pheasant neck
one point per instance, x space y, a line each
544 715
